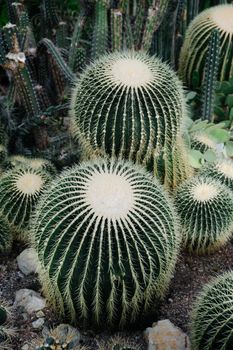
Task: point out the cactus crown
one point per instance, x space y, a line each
222 17
212 323
205 209
106 218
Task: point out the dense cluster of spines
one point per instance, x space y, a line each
212 321
205 207
221 170
107 239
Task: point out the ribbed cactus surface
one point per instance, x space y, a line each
20 189
130 105
107 239
212 320
205 207
195 47
221 170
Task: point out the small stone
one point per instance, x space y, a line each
29 300
40 314
38 323
28 261
163 335
25 347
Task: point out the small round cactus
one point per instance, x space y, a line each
34 163
212 321
130 105
202 142
194 50
205 207
221 170
107 239
6 236
20 189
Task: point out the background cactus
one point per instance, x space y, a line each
107 239
130 105
212 321
221 170
20 189
195 47
205 207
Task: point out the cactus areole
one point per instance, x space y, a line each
107 238
129 105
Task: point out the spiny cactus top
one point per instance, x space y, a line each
221 170
205 207
195 46
20 189
212 316
107 239
129 105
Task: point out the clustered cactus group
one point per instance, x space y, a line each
106 231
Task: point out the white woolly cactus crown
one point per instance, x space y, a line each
130 105
196 42
107 239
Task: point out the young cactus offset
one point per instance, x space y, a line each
205 207
221 170
20 189
107 239
130 105
195 47
212 320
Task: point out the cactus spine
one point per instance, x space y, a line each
212 321
205 207
130 105
221 170
107 239
195 47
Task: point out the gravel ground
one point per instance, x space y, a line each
190 275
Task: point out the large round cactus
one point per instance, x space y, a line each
212 316
20 189
194 50
205 207
130 105
107 239
221 170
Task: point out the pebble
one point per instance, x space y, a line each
163 335
28 261
40 313
25 347
38 323
29 300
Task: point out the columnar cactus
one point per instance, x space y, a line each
107 239
195 47
221 170
129 105
205 207
20 189
212 320
6 235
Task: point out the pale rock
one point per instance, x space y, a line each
38 323
28 261
25 347
29 300
163 335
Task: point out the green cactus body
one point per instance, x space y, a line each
100 30
221 170
195 47
205 207
20 189
116 30
129 105
212 320
107 239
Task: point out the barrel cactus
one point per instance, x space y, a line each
107 239
195 47
221 170
205 207
130 105
6 235
20 189
212 320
